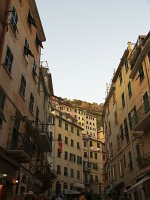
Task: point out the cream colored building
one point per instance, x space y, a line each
93 163
127 124
25 90
67 153
93 146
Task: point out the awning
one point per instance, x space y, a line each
79 185
138 185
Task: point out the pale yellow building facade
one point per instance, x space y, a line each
126 112
25 90
67 154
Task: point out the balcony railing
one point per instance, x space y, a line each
44 140
141 118
87 169
20 148
144 160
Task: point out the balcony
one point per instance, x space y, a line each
86 169
141 118
20 148
143 161
44 140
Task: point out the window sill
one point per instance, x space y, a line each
23 97
34 77
13 31
8 72
26 59
31 111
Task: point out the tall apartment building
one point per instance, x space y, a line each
25 90
93 163
127 124
93 147
67 153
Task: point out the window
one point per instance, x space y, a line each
59 137
120 165
79 160
38 43
37 115
34 69
66 155
14 19
120 77
78 174
91 144
60 114
85 154
2 102
109 126
126 66
78 132
8 60
72 173
91 179
141 73
72 129
126 130
31 102
31 20
123 100
149 57
91 154
72 143
111 149
66 126
121 132
58 169
114 172
138 151
98 145
85 143
124 160
103 157
60 123
96 179
95 155
129 89
78 145
146 102
27 50
130 161
66 140
59 154
65 171
23 86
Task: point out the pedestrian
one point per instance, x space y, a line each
85 196
58 197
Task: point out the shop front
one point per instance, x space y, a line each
8 177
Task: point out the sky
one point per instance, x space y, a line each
86 40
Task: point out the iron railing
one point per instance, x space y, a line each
140 113
21 142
